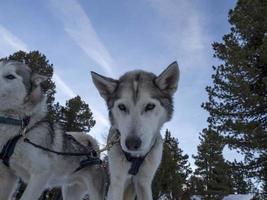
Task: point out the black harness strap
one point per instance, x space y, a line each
11 121
8 149
136 163
56 152
89 162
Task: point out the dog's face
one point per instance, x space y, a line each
139 104
18 86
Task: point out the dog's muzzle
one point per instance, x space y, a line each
133 143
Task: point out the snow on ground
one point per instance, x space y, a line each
239 197
230 197
195 197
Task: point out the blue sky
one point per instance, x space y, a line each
112 37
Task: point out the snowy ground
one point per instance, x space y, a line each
239 197
230 197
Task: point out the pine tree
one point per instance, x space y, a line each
171 178
240 183
75 115
196 185
41 65
264 185
211 165
238 98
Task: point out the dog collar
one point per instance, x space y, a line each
136 163
16 122
10 121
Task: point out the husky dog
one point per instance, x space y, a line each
21 96
139 103
90 180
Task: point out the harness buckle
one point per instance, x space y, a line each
24 123
23 133
110 144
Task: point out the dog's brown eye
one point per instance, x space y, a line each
150 107
122 107
10 77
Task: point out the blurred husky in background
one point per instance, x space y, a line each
21 96
139 103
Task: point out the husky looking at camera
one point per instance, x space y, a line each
139 103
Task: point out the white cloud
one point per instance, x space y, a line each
102 123
79 27
100 118
63 86
101 128
9 42
184 30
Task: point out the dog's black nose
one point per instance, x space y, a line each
133 143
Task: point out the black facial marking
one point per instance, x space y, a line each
111 117
136 85
10 77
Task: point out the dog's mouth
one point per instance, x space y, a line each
136 153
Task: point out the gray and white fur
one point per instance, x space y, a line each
20 96
139 103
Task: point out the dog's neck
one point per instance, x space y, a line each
36 113
10 114
137 161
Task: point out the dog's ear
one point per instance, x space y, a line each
36 93
105 86
37 79
168 79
